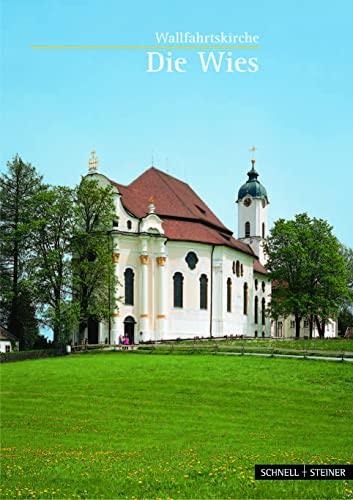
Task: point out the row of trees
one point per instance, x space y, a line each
55 254
312 273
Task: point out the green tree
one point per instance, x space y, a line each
345 317
306 263
5 291
93 272
18 186
26 321
329 280
288 270
348 256
51 272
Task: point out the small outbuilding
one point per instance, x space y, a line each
8 342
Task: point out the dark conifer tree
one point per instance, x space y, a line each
17 189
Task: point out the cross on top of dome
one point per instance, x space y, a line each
93 163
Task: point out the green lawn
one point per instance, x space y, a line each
337 345
334 345
124 425
314 347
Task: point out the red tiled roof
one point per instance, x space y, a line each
259 268
185 217
173 197
194 231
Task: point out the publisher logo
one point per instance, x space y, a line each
303 472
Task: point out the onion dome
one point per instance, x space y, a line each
252 187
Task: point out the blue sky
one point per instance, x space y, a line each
297 109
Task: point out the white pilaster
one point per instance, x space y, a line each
144 317
162 298
218 294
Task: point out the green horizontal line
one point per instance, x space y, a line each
143 47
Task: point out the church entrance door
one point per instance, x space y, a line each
129 328
92 331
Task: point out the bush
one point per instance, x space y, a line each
23 355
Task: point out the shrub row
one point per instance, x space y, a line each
22 355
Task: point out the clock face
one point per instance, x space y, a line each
247 202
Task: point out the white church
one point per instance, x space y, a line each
182 273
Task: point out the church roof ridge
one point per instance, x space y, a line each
166 174
185 216
162 176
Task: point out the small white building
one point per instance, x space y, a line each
7 341
182 272
285 328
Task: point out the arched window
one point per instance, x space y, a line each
256 284
203 291
129 286
237 268
256 309
233 267
178 279
263 230
245 299
255 333
229 295
241 269
129 224
247 229
263 286
263 334
263 311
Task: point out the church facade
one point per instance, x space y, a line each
182 274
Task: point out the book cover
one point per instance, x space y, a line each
176 256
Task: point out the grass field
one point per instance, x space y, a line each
314 347
123 425
334 345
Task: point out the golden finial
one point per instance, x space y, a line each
151 205
93 162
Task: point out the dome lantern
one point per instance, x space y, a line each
252 186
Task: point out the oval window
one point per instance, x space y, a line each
191 260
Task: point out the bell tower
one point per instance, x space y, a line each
252 212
